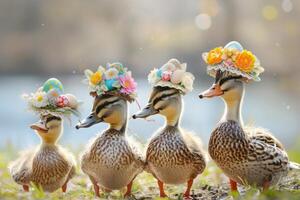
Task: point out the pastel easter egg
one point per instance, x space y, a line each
177 76
53 83
73 103
62 101
109 83
234 45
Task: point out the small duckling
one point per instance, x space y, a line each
111 160
173 155
247 155
49 166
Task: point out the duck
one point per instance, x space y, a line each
48 166
247 155
111 160
173 155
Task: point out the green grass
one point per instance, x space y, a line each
212 184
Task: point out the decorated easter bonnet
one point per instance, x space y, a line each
51 100
115 80
234 59
172 74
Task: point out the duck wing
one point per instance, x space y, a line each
263 135
20 169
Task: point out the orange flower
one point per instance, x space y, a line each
96 78
245 61
215 56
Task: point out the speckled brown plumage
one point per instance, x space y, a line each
247 158
112 160
173 156
49 167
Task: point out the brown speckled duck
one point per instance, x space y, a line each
111 160
247 155
173 155
49 166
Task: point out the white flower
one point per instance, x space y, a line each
168 67
177 76
152 77
111 73
187 81
39 99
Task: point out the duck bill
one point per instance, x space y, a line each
88 121
146 112
39 126
214 91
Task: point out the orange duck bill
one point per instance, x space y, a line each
39 126
214 91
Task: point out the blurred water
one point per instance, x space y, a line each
265 105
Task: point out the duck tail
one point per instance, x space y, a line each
294 166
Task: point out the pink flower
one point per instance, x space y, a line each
128 84
62 101
166 76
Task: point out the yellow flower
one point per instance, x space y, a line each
96 78
215 56
245 61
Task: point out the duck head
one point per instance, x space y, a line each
108 109
231 89
49 128
165 101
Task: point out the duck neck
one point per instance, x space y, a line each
233 108
51 138
121 126
118 120
173 114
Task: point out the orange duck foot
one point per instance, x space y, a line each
233 186
64 187
162 193
26 188
186 195
266 185
128 192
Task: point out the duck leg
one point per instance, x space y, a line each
161 189
128 192
64 187
233 185
186 195
266 185
26 188
96 187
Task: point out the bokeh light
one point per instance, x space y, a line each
287 6
270 12
203 21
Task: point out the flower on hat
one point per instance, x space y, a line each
166 76
172 74
39 99
47 100
187 82
111 73
234 59
115 79
215 56
96 78
128 84
245 61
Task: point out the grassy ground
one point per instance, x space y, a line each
212 184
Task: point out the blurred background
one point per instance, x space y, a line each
61 38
